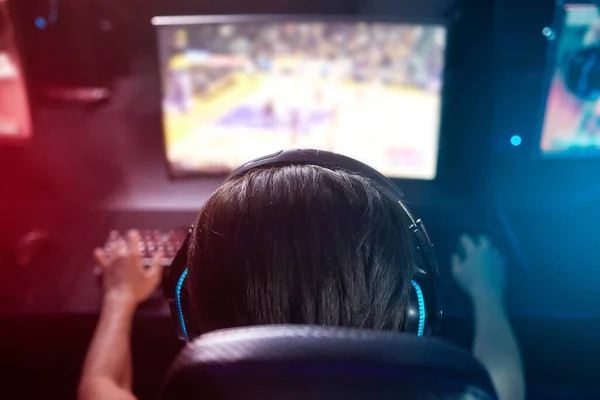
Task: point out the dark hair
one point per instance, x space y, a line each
300 245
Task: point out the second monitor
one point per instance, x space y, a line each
572 115
235 88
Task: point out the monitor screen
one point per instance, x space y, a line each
15 115
234 91
572 115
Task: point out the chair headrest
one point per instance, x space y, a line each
298 357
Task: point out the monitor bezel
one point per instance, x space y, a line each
191 20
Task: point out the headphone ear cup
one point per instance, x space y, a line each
175 289
415 318
182 304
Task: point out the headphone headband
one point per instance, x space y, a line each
320 158
423 311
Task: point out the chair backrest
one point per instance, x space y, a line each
313 362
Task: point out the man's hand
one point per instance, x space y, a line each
482 269
123 274
481 272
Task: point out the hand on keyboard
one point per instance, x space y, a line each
150 243
123 274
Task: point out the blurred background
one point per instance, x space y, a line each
109 122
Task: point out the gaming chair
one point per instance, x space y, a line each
288 362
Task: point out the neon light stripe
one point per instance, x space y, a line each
422 310
178 299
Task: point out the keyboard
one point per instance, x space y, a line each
152 241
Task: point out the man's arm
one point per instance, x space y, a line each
481 273
107 368
107 371
495 346
104 390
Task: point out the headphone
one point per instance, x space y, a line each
423 313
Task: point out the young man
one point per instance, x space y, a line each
343 257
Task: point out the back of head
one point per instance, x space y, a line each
300 244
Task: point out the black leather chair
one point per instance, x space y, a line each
313 362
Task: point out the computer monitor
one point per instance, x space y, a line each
236 88
572 115
15 112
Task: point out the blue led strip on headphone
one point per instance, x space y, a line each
422 311
178 299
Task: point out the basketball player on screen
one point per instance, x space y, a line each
182 94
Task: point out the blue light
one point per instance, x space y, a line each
422 309
41 23
549 33
179 307
515 140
